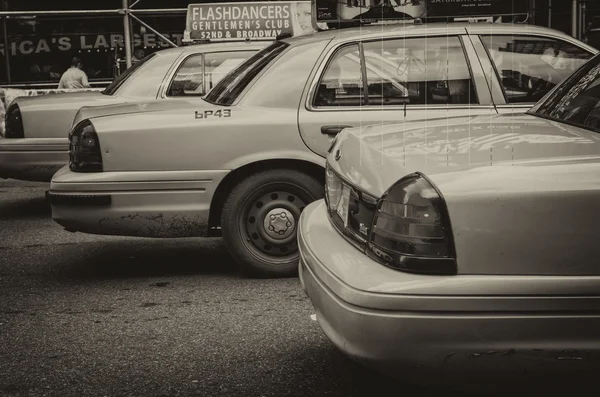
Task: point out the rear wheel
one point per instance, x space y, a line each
260 220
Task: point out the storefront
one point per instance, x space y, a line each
41 37
38 38
579 18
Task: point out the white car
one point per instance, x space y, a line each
464 250
35 144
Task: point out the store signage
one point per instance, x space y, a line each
456 8
387 10
368 10
28 45
247 20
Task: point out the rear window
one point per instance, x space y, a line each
119 81
577 100
232 85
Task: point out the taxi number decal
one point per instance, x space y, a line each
207 113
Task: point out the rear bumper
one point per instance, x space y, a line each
32 159
445 345
78 199
140 204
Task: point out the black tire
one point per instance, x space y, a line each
256 224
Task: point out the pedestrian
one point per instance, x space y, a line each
138 55
74 77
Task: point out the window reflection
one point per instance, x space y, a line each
529 67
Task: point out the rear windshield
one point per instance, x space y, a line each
577 100
119 81
232 85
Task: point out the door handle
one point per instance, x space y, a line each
333 129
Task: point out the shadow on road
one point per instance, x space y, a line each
143 258
356 380
29 208
350 378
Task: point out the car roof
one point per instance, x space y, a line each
416 29
211 47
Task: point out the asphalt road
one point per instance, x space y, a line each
84 315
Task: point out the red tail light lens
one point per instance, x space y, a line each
411 229
84 148
14 122
333 188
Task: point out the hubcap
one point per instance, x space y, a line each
279 223
270 220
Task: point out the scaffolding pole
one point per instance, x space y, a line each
60 12
158 11
574 19
150 28
6 45
127 33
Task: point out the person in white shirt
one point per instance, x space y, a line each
74 77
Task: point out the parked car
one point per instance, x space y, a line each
464 250
248 158
36 144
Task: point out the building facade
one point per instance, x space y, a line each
40 37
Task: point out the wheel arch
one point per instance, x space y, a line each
315 170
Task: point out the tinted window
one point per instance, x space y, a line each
577 100
415 71
118 82
342 83
529 67
228 89
188 79
219 64
427 70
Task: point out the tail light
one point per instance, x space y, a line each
14 122
84 148
333 188
407 229
411 229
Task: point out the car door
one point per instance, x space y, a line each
527 66
398 79
199 73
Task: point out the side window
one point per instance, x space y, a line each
218 64
418 71
530 66
342 84
188 79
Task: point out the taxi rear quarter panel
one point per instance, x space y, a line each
51 116
525 219
258 133
262 125
509 191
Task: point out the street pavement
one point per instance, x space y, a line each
84 315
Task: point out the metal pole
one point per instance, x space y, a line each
582 21
549 13
65 12
150 28
160 11
574 18
127 33
6 47
88 12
